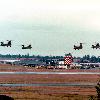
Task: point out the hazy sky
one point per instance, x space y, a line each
51 26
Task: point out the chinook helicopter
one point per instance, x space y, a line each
8 44
27 47
96 46
78 47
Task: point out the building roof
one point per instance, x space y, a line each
30 62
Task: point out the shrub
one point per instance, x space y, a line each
98 90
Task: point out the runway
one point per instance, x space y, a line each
52 84
44 73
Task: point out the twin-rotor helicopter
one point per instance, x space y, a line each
78 47
9 44
26 47
96 46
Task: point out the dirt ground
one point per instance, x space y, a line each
47 92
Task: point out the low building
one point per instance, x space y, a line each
8 61
31 63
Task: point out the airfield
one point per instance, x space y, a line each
28 83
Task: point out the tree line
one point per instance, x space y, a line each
86 58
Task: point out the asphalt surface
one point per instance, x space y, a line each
98 73
52 84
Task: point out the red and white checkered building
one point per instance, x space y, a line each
68 60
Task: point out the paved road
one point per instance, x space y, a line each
98 73
52 84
